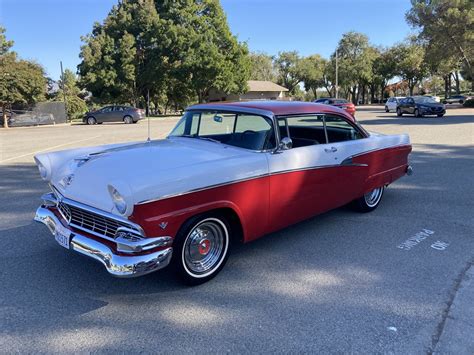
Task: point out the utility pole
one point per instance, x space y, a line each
337 75
64 90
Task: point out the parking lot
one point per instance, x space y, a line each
341 282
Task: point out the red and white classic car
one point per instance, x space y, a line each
227 172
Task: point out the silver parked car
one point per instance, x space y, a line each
125 114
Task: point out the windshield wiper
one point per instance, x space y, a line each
199 137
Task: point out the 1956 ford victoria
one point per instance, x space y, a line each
227 172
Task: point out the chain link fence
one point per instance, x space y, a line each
42 113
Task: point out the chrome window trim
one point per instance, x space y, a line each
220 108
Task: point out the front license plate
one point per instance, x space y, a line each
62 235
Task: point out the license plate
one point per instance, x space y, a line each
62 235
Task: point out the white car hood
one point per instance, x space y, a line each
148 170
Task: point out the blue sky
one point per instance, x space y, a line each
49 30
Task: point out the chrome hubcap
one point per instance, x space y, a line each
373 197
205 247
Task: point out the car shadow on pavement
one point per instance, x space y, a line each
338 275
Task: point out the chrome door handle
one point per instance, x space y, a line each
331 150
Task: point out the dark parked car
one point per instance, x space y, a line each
341 103
125 114
455 99
420 106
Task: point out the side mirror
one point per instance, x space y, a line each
286 143
218 119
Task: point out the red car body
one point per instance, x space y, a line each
349 107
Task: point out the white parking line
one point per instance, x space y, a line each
50 148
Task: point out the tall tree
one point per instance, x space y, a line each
356 57
312 73
261 67
21 81
144 47
411 65
68 89
447 25
288 66
384 69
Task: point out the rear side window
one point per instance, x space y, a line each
339 130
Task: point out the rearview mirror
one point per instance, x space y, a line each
218 119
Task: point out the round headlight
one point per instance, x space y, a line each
42 170
117 198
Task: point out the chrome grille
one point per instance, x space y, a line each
91 222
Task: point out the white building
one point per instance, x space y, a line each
258 90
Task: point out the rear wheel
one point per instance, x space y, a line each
417 113
202 248
399 112
386 109
370 201
128 120
91 120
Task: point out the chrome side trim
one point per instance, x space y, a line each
116 265
200 189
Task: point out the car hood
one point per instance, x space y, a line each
146 170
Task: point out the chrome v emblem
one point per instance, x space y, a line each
163 225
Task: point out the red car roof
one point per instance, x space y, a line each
278 108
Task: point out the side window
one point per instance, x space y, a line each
254 132
303 130
106 109
119 108
339 130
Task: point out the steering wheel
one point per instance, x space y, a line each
247 132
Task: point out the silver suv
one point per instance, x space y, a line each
125 114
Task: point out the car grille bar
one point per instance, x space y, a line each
91 222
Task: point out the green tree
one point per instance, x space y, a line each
288 66
262 67
447 25
356 57
145 47
384 68
69 89
21 81
312 73
411 65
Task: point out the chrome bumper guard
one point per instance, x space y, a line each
117 265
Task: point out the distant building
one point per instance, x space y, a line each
258 90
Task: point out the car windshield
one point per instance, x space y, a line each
424 100
237 129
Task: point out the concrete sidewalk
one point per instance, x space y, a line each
457 336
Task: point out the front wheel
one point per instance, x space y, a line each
370 201
399 112
386 109
202 248
417 113
91 120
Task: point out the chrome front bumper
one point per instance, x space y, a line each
117 265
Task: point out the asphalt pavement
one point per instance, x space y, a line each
397 280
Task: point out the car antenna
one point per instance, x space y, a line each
148 113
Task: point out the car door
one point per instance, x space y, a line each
313 176
410 105
117 114
106 114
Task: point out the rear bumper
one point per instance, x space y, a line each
116 265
